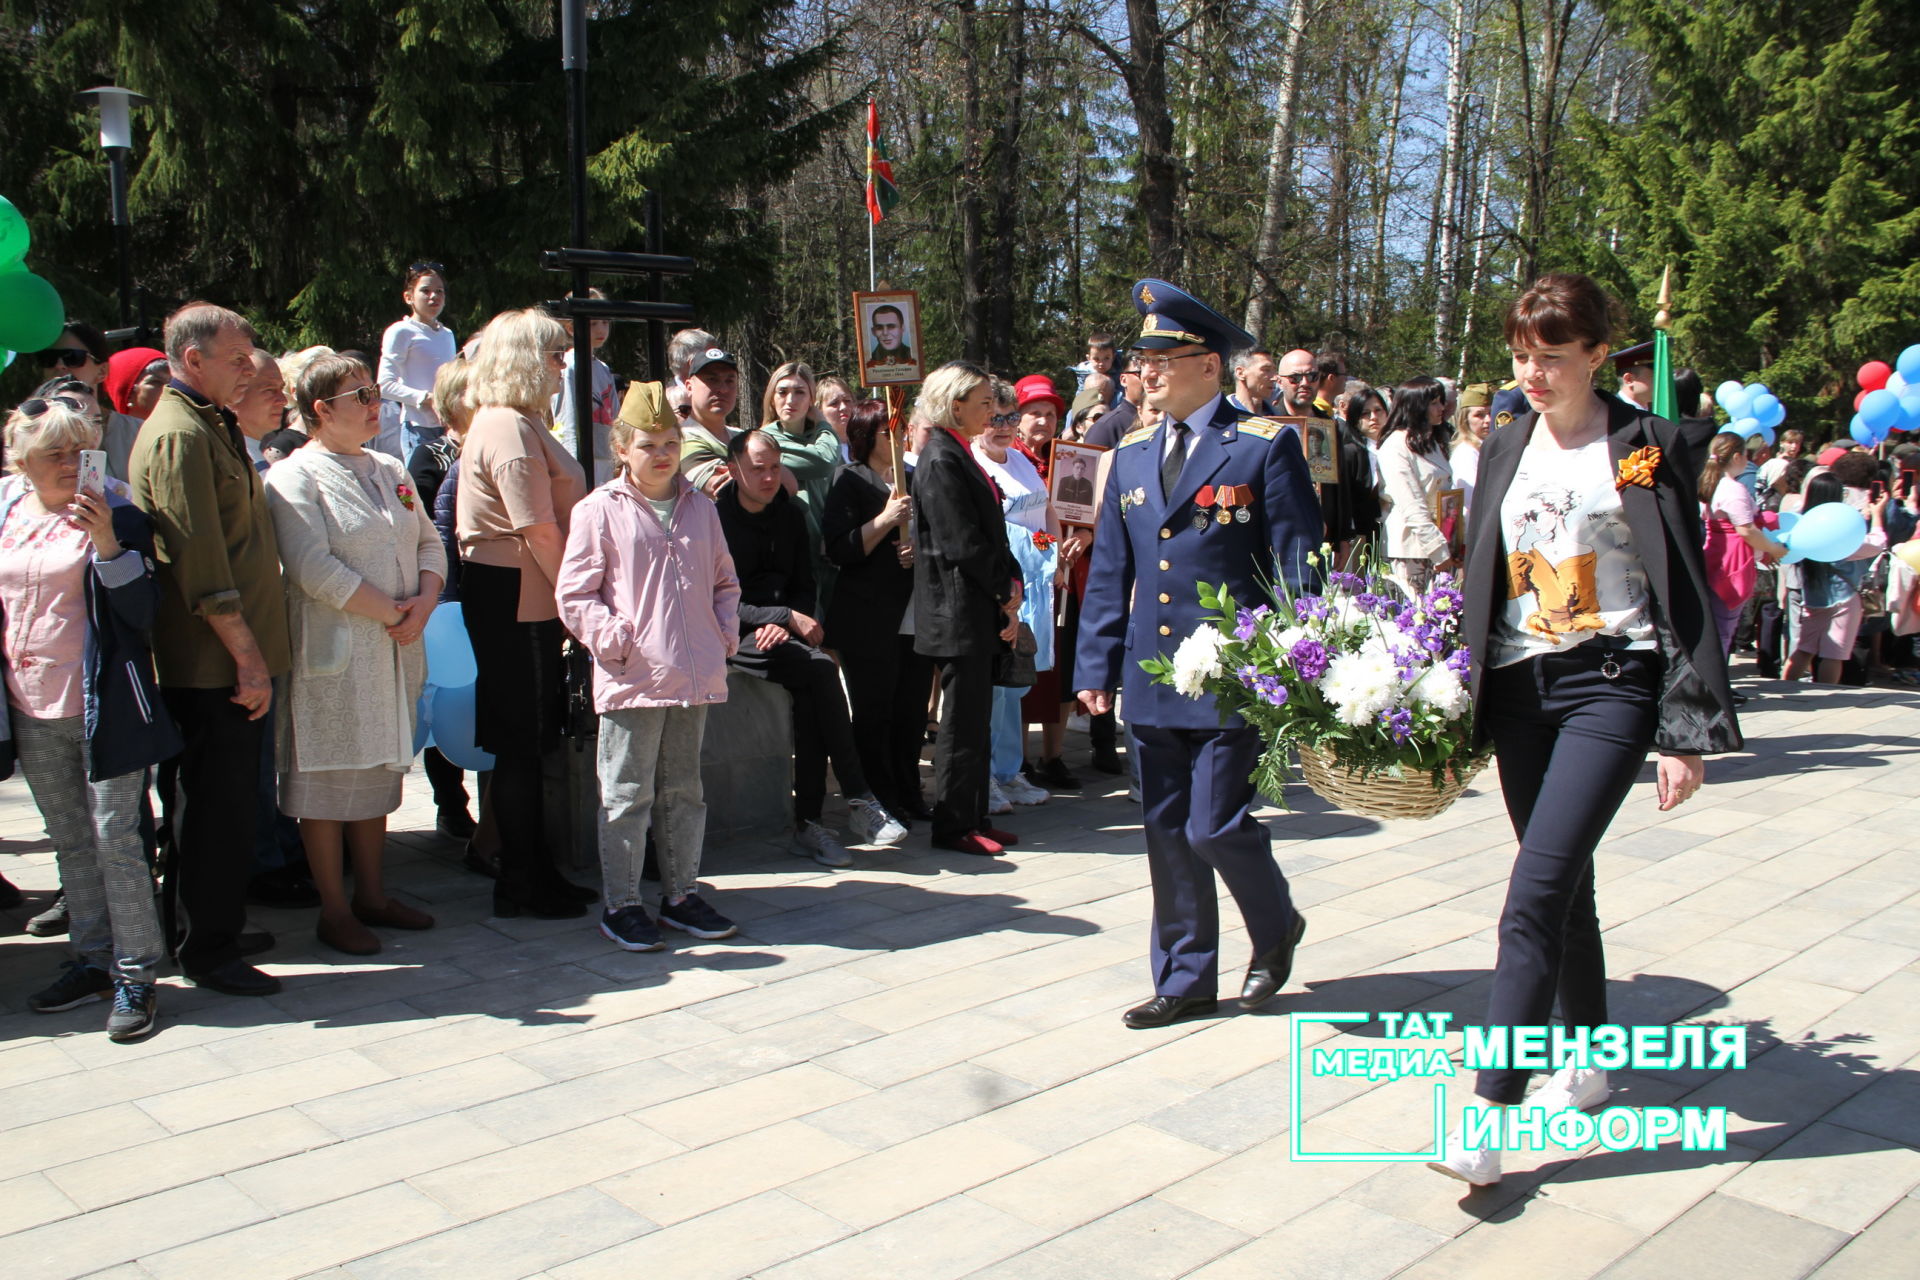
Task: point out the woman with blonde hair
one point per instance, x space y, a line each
517 489
364 568
810 452
81 708
966 599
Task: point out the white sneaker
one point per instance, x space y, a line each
1573 1089
1020 791
814 841
1481 1168
997 801
873 824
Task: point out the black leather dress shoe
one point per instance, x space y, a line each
1268 973
1163 1011
236 978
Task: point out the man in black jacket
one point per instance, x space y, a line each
779 641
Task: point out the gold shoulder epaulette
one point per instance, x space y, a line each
1265 428
1136 435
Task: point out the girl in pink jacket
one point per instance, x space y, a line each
647 585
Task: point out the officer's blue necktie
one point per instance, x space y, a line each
1175 459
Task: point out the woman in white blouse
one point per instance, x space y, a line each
1414 472
411 353
364 567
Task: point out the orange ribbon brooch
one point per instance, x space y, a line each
1637 467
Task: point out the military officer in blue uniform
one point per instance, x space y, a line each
1210 495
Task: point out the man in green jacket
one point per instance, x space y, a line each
219 635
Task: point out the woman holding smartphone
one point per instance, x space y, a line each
81 710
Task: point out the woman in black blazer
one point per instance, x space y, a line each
861 524
966 597
1586 613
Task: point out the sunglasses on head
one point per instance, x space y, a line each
40 404
361 395
434 267
71 357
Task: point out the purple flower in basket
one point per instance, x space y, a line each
1398 723
1310 659
1346 581
1368 602
1313 607
1460 662
1247 624
1247 674
1272 689
1444 601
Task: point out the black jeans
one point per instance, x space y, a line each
963 751
822 730
213 828
1570 741
447 779
887 686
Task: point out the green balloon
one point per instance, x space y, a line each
14 236
30 312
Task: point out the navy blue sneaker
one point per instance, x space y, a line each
134 1013
691 915
78 983
631 929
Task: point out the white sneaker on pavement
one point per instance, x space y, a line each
1573 1089
814 841
1481 1167
873 824
997 801
1020 791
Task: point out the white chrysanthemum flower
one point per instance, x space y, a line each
1360 686
1442 690
1290 637
1197 661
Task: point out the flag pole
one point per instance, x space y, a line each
872 274
1665 398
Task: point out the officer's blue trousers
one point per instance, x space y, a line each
1195 786
1570 742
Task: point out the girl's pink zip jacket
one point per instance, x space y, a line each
658 608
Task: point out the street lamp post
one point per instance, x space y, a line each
116 139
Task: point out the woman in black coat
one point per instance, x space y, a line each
966 597
867 622
1586 613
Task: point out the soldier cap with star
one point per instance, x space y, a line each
1175 318
1476 395
1641 353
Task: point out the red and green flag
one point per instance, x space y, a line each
882 195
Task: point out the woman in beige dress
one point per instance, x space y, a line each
364 567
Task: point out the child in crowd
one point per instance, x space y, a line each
648 586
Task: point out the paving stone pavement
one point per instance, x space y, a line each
915 1067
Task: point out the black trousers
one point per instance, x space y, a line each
1570 742
447 779
213 821
887 692
822 731
519 704
963 751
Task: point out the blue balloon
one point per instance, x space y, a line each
1908 364
1726 393
1880 410
1767 410
1733 429
1862 433
1746 426
453 728
1831 531
423 719
1735 404
449 652
1910 409
1787 520
1755 390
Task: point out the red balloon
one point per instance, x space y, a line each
1863 394
1873 375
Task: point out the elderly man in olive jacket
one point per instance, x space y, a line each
219 637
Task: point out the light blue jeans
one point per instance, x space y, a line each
1009 733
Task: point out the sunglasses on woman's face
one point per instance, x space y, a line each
361 395
71 357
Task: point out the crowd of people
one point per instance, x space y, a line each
235 610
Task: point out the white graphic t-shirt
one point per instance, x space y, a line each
1571 571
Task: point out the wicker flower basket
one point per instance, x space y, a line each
1381 795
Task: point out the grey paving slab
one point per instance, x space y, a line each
915 1067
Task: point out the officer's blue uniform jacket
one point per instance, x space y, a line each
1149 552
